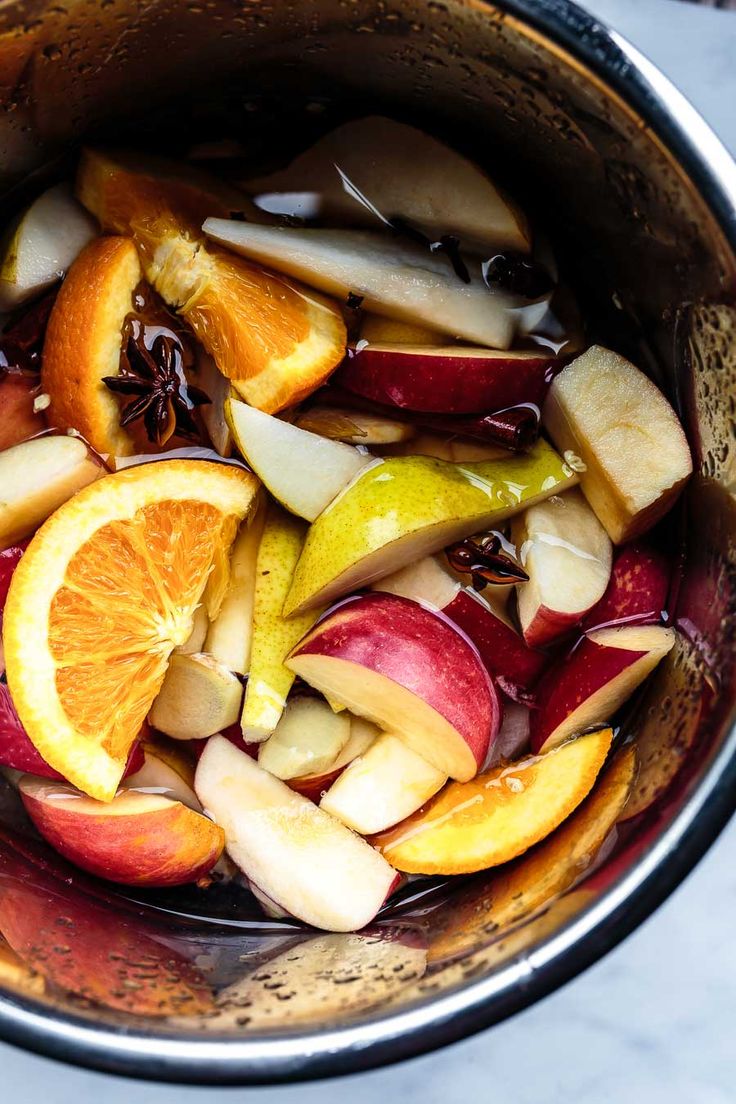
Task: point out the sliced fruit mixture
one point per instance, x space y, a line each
372 413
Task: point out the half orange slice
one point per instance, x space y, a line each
108 587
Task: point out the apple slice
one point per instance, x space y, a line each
567 554
9 560
359 427
589 686
636 455
307 740
269 680
474 825
301 857
446 379
637 591
217 387
303 471
20 420
167 770
505 655
378 164
409 670
375 328
198 697
41 245
403 508
362 735
230 635
383 786
138 839
539 877
36 477
399 279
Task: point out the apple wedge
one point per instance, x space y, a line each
375 328
302 858
217 387
362 735
167 770
36 477
588 687
20 420
358 427
504 653
230 636
567 555
446 379
399 279
636 455
637 591
198 697
379 164
138 838
403 508
497 816
302 470
409 670
9 560
383 786
42 244
269 680
307 740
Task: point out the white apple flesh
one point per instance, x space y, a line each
302 470
300 856
401 280
381 787
567 555
230 636
410 671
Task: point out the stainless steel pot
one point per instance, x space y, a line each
641 198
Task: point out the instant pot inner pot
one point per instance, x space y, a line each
653 273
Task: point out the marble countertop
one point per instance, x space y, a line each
654 1020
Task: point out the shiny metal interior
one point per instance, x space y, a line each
640 201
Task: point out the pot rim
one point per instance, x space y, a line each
298 1055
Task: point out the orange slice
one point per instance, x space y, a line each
276 340
83 341
108 588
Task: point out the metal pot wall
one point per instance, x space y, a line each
640 200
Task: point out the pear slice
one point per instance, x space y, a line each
38 476
399 279
198 697
216 387
402 172
355 426
302 470
307 740
269 680
401 509
230 635
42 244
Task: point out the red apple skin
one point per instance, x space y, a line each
451 381
17 751
421 650
234 734
18 422
507 658
9 560
572 681
637 591
167 846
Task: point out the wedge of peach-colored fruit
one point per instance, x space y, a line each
142 839
547 871
84 339
497 816
274 340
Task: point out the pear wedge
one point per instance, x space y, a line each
399 279
42 244
230 636
269 680
406 507
302 470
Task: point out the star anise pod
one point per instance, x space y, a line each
164 398
487 559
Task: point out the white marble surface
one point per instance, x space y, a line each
653 1023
